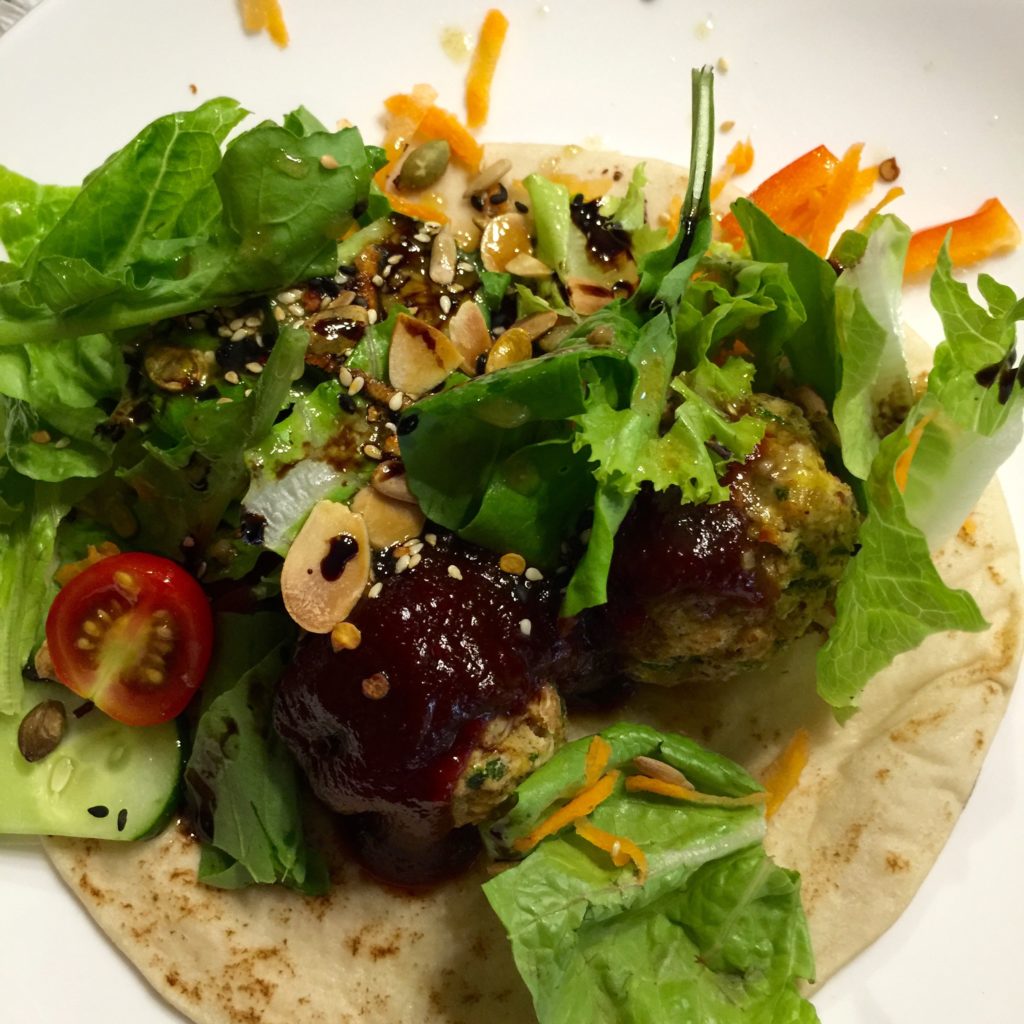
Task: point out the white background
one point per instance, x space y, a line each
938 84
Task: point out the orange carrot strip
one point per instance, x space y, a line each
783 774
579 807
739 161
864 182
894 193
675 209
902 468
254 15
645 784
598 755
403 126
439 124
481 68
988 231
418 210
276 28
589 188
622 850
836 200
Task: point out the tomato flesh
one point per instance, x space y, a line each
133 634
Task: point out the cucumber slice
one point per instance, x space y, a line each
104 781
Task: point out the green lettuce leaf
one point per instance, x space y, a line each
169 225
28 211
628 211
870 334
241 784
32 512
715 932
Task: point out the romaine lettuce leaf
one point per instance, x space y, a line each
241 784
168 225
715 932
28 211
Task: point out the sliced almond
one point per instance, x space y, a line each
525 265
503 239
314 594
390 480
387 521
588 297
421 356
469 334
537 324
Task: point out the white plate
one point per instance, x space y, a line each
939 84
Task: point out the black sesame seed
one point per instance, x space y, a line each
481 364
83 709
359 209
347 269
251 528
347 403
522 207
477 202
122 819
500 196
99 811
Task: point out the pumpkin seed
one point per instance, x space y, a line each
424 165
41 730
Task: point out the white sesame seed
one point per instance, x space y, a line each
231 377
585 536
295 309
288 297
375 590
62 442
387 270
371 316
413 310
356 386
498 332
377 280
240 334
414 559
253 321
432 226
236 323
395 401
279 314
371 451
396 259
328 162
254 367
430 538
345 376
225 332
415 546
533 574
247 392
391 427
199 322
223 400
446 304
455 572
466 268
525 626
456 288
402 564
422 236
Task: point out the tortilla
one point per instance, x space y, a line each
873 808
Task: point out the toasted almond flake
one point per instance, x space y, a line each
390 480
469 334
443 257
421 357
388 520
512 563
488 177
345 637
455 572
315 603
525 265
537 324
329 162
587 297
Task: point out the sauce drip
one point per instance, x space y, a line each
606 241
341 550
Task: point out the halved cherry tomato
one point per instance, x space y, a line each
133 634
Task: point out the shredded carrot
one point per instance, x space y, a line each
598 755
403 126
988 231
437 123
864 182
645 784
836 200
894 193
418 210
579 807
589 188
792 195
622 850
901 471
739 161
481 68
783 774
675 210
67 572
265 14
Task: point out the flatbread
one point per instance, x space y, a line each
874 807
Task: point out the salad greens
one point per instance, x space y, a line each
582 930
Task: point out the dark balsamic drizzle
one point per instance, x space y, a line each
606 241
341 550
